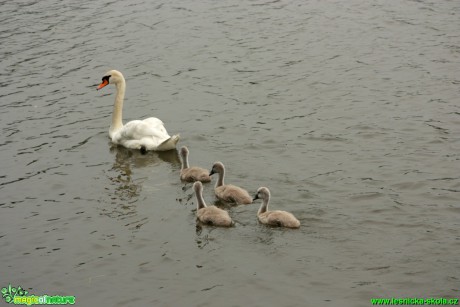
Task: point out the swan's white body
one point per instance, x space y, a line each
147 134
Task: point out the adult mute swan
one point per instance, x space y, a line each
147 134
276 217
228 192
209 215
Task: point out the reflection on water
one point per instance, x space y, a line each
347 110
134 158
124 189
201 240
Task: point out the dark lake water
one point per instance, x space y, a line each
347 110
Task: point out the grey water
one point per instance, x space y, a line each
347 110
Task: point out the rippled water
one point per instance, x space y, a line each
347 110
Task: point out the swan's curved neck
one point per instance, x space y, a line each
264 206
200 200
185 161
220 180
117 122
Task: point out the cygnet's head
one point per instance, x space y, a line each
198 187
111 77
217 167
262 193
184 151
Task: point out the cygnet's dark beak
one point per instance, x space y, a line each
211 172
255 197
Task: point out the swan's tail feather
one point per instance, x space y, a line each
169 143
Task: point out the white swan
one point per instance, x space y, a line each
227 192
210 215
147 134
192 173
274 218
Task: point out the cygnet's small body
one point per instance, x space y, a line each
274 218
192 173
210 215
227 192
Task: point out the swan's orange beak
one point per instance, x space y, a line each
104 83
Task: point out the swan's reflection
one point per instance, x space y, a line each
138 160
124 189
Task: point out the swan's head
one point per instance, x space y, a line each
111 77
262 193
184 151
217 167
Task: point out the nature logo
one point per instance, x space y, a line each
8 293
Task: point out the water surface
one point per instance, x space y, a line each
347 111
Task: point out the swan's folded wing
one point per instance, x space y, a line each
231 193
139 129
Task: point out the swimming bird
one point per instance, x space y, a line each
210 215
147 134
192 173
274 218
227 192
